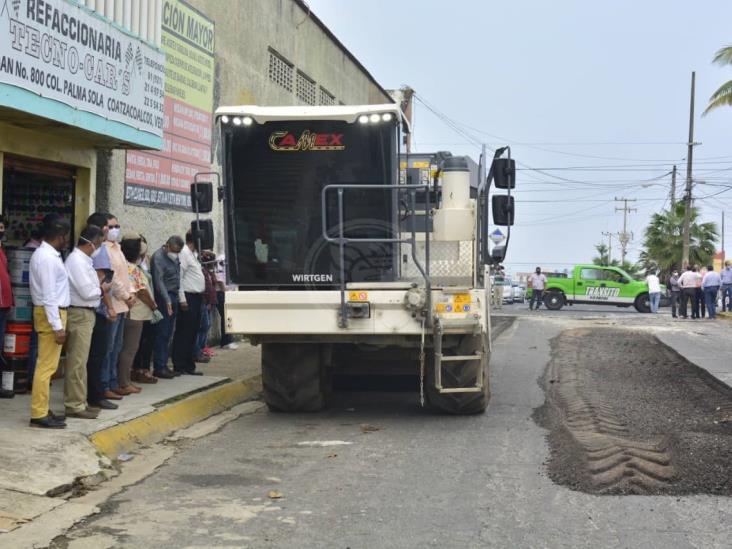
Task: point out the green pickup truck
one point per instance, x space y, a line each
597 284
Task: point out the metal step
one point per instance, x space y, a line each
458 358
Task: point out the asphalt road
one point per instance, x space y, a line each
391 475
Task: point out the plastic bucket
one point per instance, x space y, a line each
18 368
23 309
17 340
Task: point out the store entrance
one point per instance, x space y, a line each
31 190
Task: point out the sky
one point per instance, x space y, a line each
592 97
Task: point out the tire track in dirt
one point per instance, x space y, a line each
615 461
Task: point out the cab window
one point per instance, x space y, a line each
592 274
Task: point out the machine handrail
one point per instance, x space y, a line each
342 240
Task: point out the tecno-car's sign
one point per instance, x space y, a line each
59 50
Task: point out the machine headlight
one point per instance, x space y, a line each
237 121
224 119
386 117
363 119
247 121
374 118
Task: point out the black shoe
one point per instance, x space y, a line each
164 374
104 404
5 393
193 373
57 417
47 422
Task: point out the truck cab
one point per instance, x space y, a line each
607 285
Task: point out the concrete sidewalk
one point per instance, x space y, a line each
37 464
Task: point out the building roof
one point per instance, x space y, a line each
306 8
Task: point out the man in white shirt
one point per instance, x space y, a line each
687 283
537 283
190 295
49 286
85 295
654 290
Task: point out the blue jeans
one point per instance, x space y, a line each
115 335
202 337
710 299
655 299
726 297
164 333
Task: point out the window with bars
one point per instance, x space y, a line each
305 88
280 70
326 98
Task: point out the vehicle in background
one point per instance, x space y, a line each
519 294
598 285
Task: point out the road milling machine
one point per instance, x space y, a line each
350 255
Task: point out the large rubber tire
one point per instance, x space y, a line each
554 300
460 374
292 378
642 303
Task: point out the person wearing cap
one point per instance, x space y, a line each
49 287
725 276
85 295
675 292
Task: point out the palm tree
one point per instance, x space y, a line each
663 240
723 96
603 259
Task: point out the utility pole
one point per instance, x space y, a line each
673 189
609 236
624 237
687 194
724 255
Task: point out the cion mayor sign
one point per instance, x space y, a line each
61 51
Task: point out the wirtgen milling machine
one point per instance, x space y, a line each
348 258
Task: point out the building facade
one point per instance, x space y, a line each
218 52
74 77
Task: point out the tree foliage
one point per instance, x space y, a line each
603 259
723 95
663 240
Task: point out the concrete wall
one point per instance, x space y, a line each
245 31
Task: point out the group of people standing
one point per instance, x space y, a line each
697 291
116 309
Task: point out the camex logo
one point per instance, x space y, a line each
308 141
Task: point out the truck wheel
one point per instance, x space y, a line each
292 377
643 303
459 374
554 301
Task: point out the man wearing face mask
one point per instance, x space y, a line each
165 268
86 294
6 297
49 286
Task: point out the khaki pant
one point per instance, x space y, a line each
78 341
130 345
49 353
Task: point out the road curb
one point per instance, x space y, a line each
157 425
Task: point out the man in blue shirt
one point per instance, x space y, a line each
726 279
710 286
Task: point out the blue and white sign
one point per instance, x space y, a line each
58 50
497 236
